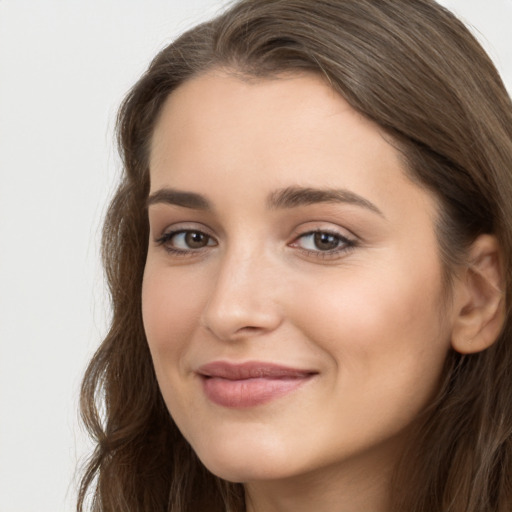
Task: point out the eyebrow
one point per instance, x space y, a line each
293 197
179 198
289 197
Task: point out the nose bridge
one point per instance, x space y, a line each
242 299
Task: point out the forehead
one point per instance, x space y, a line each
219 133
273 119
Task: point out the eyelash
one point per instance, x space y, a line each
166 238
344 244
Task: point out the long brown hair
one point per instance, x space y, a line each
416 71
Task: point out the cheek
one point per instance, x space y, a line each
381 329
367 301
387 349
171 312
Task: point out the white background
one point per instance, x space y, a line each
64 68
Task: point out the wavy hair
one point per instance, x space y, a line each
415 70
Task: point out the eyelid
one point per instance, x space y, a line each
330 232
177 227
346 239
171 234
311 227
347 242
166 235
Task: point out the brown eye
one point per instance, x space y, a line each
326 241
185 240
196 239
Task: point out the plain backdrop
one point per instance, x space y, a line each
64 68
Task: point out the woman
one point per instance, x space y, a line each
309 260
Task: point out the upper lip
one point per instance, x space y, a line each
252 370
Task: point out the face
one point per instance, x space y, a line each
293 288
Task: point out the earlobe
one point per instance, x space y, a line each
481 309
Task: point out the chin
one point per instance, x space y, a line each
246 462
244 472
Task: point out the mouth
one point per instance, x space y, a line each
250 384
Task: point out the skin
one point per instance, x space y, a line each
365 316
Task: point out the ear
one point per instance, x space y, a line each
480 301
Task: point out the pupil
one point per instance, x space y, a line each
325 242
196 240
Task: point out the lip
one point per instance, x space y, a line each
251 383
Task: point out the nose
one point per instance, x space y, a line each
243 301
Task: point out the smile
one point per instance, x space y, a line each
249 384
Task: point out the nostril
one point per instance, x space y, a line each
230 316
249 329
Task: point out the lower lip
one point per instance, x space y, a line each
249 392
